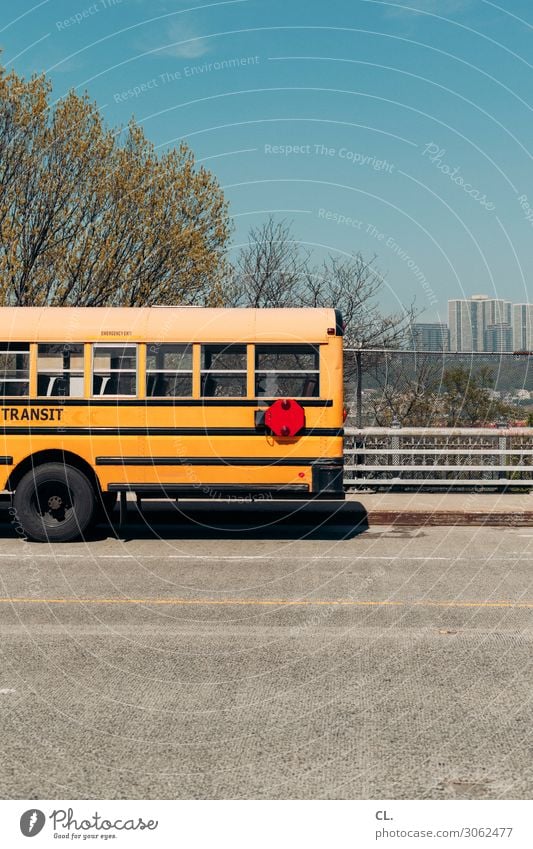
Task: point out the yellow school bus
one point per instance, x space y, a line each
165 402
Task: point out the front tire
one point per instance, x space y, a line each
54 503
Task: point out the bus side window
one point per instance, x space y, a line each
168 371
209 386
151 386
310 387
46 386
103 385
287 371
60 370
14 369
114 370
224 370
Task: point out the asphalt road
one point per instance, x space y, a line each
216 656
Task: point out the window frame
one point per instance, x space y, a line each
6 349
233 372
276 347
249 375
71 372
110 371
156 371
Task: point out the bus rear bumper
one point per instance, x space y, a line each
328 479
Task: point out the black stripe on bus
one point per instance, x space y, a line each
207 490
155 402
216 461
156 431
6 461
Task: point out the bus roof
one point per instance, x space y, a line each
165 324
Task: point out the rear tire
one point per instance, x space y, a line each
54 503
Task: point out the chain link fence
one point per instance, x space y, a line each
413 388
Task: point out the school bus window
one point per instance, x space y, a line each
287 371
168 371
14 369
60 370
115 370
224 371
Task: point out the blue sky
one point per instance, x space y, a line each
400 129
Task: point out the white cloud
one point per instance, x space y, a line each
183 41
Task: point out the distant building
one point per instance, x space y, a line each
465 321
499 338
430 337
469 319
523 327
497 311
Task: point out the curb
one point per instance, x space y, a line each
446 518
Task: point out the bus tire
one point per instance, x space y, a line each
54 503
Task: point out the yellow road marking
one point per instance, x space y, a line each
275 602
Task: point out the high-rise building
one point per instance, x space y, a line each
465 319
469 319
523 327
497 311
499 338
430 337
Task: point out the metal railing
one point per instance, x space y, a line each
438 457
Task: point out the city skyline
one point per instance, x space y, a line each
478 324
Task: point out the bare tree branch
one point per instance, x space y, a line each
273 271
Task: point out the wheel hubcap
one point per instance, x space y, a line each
53 502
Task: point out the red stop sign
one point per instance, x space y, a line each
285 417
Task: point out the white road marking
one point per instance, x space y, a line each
236 557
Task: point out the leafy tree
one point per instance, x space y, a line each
408 390
91 216
414 389
467 397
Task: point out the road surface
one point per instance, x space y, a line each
226 654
